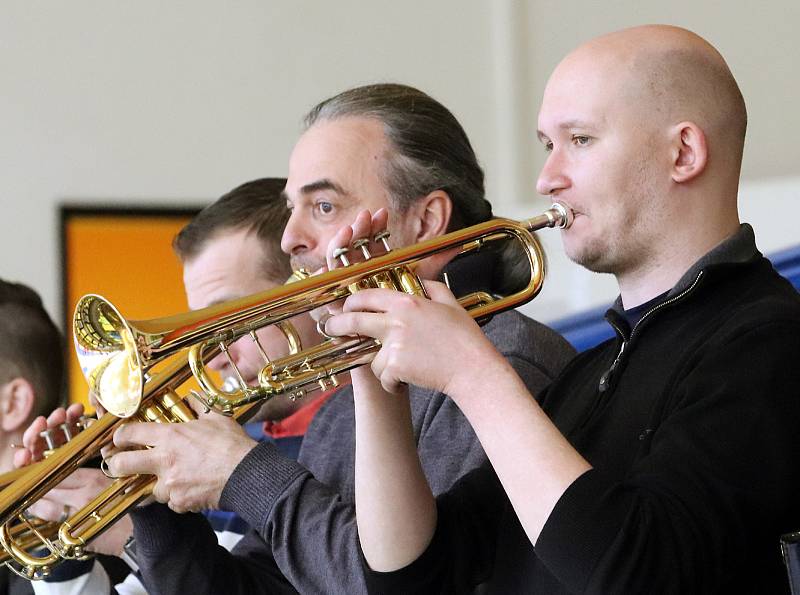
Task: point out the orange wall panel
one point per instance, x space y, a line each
127 259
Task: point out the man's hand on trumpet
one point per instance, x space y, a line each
192 460
402 321
75 491
365 225
34 444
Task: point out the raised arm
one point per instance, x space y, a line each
395 509
437 345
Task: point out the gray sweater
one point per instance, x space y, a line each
302 513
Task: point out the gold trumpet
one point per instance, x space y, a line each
28 533
22 533
136 367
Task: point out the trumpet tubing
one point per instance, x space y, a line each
136 368
115 353
33 482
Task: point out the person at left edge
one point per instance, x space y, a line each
228 250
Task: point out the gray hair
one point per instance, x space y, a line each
431 149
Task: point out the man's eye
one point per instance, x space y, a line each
548 147
580 139
325 207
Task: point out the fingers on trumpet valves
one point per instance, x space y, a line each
47 434
365 238
57 436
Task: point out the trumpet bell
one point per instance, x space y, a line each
105 344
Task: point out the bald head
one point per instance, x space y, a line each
645 129
670 75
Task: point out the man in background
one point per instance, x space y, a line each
31 365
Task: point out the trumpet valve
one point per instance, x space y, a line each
67 429
298 275
84 421
383 238
363 245
48 438
341 254
328 382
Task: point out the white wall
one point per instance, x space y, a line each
176 102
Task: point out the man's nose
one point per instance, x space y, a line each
553 177
297 237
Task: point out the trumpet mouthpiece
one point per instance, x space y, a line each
563 216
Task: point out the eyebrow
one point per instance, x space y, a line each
323 184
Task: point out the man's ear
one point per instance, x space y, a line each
689 152
433 214
16 404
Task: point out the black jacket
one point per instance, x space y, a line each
692 437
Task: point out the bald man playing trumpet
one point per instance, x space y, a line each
664 459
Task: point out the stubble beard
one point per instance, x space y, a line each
591 257
309 263
626 243
623 248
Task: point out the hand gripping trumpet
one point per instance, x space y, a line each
136 367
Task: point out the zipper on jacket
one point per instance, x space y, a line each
605 379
